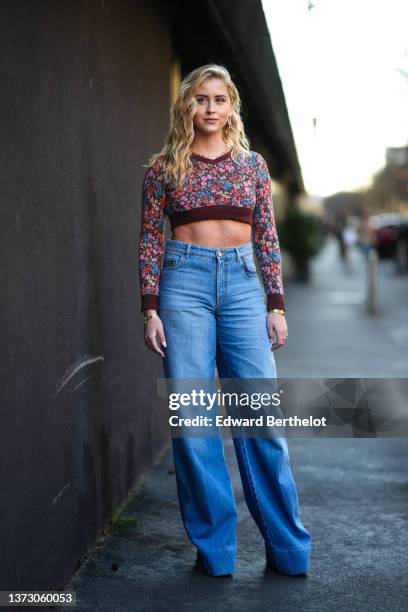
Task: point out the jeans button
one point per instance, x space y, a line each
219 252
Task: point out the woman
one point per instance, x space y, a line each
203 303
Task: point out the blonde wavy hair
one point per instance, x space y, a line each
177 147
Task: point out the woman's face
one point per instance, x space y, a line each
213 102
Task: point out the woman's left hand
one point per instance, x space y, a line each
277 329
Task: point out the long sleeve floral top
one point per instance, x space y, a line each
220 188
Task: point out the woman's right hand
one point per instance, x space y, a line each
153 330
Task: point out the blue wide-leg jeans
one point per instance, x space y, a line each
213 313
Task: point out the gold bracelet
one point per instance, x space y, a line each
147 317
277 310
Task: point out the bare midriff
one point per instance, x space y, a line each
214 233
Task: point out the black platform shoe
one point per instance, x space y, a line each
199 565
271 566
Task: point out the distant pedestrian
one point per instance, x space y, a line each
338 229
366 233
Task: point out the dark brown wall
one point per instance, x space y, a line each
85 98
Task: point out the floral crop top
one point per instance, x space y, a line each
220 188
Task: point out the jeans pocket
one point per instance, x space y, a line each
172 260
248 267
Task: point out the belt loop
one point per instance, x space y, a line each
237 253
188 250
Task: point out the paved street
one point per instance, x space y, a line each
353 493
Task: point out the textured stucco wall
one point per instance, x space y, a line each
85 97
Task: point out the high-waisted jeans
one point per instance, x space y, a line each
213 313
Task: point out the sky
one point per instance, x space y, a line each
339 63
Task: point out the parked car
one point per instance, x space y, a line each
386 233
401 248
391 238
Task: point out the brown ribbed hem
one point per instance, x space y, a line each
275 300
150 301
216 211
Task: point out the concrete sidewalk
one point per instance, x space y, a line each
353 493
330 332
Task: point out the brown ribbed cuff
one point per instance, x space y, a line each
150 301
275 300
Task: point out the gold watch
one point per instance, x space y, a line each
147 317
277 310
